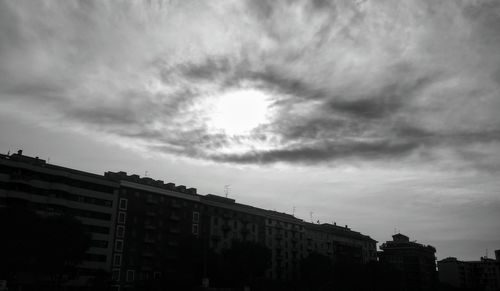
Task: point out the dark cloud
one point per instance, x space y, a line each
348 79
323 152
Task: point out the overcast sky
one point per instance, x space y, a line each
379 114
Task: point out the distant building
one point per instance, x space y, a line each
47 189
415 262
474 275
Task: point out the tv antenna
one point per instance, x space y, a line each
293 211
311 216
226 190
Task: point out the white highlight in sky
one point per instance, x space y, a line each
238 112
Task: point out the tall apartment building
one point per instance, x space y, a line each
416 262
284 236
154 221
339 243
473 275
50 190
228 221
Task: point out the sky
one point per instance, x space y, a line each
380 115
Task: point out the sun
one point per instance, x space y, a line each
238 112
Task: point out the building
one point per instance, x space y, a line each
284 236
228 221
339 243
148 234
415 262
155 220
474 275
51 190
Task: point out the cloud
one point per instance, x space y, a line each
350 80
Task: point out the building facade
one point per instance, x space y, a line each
339 243
415 262
155 220
284 236
47 189
149 233
474 275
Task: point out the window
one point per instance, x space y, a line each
120 231
117 260
119 245
123 203
121 217
116 275
195 228
130 275
196 217
157 275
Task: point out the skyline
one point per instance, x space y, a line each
378 115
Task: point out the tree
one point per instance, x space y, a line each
37 249
246 261
62 247
316 270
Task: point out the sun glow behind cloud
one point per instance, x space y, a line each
238 112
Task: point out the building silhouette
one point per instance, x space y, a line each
415 262
46 189
147 233
472 275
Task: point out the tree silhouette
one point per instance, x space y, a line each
40 250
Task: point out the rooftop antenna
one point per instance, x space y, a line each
145 173
486 253
293 211
226 190
311 216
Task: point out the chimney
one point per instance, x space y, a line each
20 152
497 255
